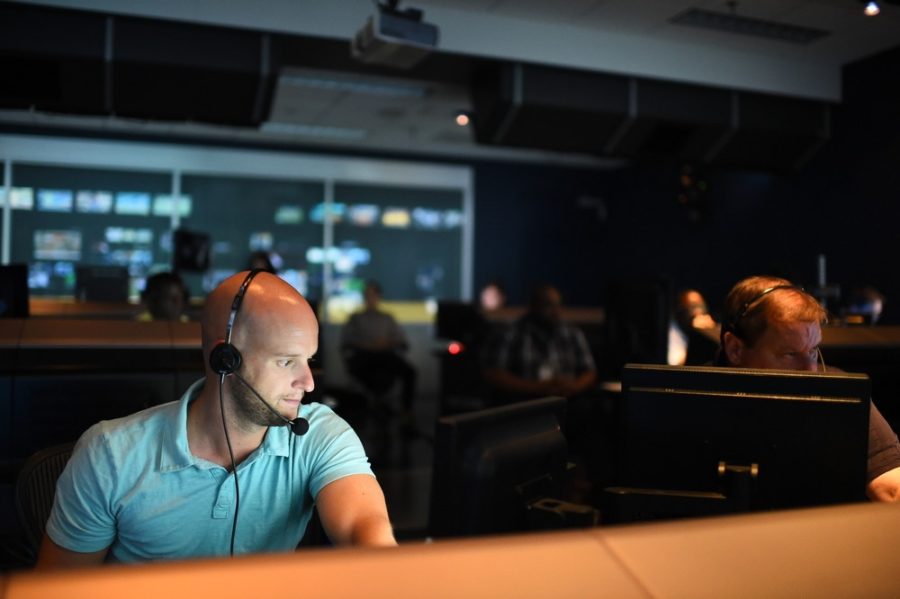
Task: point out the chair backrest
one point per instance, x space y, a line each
35 489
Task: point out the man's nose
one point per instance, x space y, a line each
304 378
810 363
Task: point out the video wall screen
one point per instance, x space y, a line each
407 238
65 216
244 215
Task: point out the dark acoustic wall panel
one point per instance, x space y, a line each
51 60
180 71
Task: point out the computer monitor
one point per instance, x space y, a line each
460 321
101 283
706 440
191 251
637 324
490 465
14 291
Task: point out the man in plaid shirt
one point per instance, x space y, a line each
540 355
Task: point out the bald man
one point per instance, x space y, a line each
161 484
770 323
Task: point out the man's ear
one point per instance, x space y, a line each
733 347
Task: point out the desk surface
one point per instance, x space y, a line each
845 551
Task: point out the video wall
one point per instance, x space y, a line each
408 238
62 217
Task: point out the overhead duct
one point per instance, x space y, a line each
177 71
52 60
774 132
76 62
548 108
672 120
575 111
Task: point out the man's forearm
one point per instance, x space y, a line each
373 532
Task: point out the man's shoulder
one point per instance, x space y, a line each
128 431
322 420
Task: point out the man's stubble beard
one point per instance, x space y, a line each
248 408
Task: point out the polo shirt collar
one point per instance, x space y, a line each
176 453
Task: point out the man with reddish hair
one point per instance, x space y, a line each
770 323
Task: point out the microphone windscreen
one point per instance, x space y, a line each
299 426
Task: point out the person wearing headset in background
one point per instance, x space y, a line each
770 323
165 297
217 472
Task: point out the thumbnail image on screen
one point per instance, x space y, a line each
453 219
54 200
21 198
261 241
337 212
128 235
96 202
345 259
363 215
165 205
427 218
133 203
396 218
57 245
288 214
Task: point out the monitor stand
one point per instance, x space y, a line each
737 489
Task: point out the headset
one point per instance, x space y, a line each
225 360
733 325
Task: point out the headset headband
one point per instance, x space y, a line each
734 324
236 303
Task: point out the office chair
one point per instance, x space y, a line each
35 489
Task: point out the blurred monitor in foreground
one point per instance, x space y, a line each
492 466
14 291
700 441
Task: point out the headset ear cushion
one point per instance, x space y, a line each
224 358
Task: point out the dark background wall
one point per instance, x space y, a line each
531 225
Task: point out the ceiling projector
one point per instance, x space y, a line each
394 38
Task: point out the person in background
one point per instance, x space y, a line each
165 297
540 354
692 331
770 323
218 472
492 297
864 306
371 343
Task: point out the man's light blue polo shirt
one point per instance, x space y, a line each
132 485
